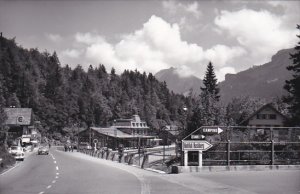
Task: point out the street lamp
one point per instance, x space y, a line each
185 109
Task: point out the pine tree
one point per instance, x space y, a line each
210 98
293 87
210 83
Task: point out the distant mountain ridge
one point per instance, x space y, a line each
264 81
177 83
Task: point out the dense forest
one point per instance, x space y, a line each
62 97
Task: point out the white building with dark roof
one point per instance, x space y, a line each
266 116
129 132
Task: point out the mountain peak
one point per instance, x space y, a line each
264 81
179 84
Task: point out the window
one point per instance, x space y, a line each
272 116
261 116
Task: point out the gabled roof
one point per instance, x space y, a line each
18 116
269 105
114 132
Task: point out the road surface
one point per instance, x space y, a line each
76 173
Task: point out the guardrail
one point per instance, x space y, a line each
254 146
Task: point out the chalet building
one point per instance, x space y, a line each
133 126
267 120
18 120
20 124
129 132
266 116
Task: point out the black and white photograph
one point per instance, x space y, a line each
149 96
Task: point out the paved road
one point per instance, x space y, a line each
76 173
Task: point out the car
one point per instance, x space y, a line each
43 150
17 152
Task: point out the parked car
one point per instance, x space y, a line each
43 150
17 152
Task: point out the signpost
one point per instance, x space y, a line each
195 141
194 145
212 130
197 136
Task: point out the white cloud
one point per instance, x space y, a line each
223 71
221 54
72 53
157 45
88 38
175 7
194 9
54 37
260 32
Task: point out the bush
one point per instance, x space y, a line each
7 159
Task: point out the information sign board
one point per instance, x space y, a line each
195 145
214 130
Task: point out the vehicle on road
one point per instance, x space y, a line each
17 152
43 150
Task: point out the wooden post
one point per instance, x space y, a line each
228 152
200 159
185 158
272 152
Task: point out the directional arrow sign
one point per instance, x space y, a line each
195 145
197 136
216 130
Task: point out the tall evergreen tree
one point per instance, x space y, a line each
293 86
210 98
210 83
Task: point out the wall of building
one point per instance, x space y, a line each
264 118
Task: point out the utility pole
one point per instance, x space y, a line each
185 109
90 136
139 149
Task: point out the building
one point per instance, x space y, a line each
268 121
266 116
169 134
133 126
20 124
132 133
18 121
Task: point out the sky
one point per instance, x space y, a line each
151 35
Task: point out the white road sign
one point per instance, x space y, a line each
197 136
195 145
216 130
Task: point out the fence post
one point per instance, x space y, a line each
272 152
228 152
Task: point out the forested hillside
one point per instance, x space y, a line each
63 97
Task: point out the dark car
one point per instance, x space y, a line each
43 150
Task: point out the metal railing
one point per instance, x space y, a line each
240 145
